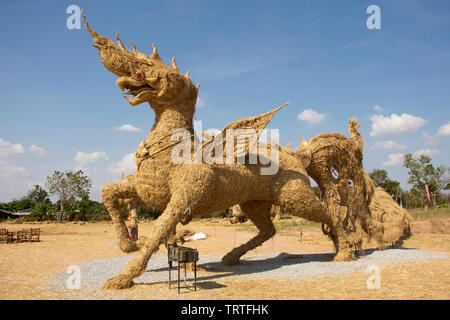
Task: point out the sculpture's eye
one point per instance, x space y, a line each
334 173
350 183
139 75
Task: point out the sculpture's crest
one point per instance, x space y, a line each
145 77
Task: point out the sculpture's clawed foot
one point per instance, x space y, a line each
230 260
119 282
344 255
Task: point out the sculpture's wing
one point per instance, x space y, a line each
244 130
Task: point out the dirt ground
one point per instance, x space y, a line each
26 267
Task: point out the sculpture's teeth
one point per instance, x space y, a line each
131 101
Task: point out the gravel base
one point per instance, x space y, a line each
253 266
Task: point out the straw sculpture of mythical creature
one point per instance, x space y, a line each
182 190
350 195
362 211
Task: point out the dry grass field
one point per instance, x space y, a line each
26 268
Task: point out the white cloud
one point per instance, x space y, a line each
427 152
128 127
125 167
7 148
429 139
201 100
395 124
377 108
386 145
38 150
394 160
311 116
13 171
444 130
84 158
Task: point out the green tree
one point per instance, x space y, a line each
38 195
422 172
68 186
381 179
17 205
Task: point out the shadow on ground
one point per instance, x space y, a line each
255 266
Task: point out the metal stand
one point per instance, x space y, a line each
179 259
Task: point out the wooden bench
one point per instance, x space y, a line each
35 234
21 236
25 235
10 237
3 236
7 236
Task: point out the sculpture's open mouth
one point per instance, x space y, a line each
136 91
139 91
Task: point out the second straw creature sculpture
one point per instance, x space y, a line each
194 189
353 202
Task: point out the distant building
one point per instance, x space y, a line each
5 214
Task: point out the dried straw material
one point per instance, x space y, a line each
358 210
239 216
395 220
184 190
188 189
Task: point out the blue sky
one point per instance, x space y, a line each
60 109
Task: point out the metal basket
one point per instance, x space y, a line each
182 254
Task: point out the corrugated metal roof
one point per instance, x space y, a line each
25 212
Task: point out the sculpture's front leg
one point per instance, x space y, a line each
112 195
163 226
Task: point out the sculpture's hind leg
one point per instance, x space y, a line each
163 227
344 250
296 197
259 213
112 195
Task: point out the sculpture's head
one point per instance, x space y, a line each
395 220
336 166
145 78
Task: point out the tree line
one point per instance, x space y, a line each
72 190
427 183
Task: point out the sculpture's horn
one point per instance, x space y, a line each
187 74
155 54
353 126
198 86
174 64
303 153
113 56
133 46
120 43
92 32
